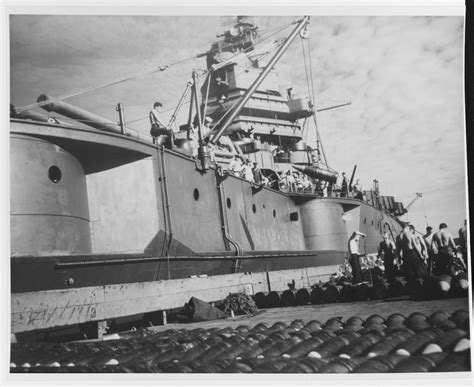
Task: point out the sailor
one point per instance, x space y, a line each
298 182
422 253
291 181
307 184
235 165
358 190
387 251
257 174
411 257
443 241
353 246
458 271
463 241
158 128
428 237
319 189
344 190
247 173
330 188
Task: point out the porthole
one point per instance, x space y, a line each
54 174
254 208
372 222
274 213
196 194
229 203
263 206
365 220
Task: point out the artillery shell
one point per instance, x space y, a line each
331 347
303 334
214 351
278 348
297 368
387 344
445 341
242 328
237 367
195 352
362 292
355 321
341 366
331 294
462 345
313 325
273 300
303 348
395 319
348 293
415 317
288 298
437 318
379 364
416 343
260 300
271 366
258 349
333 324
260 327
374 319
317 295
397 288
455 362
447 325
459 317
378 291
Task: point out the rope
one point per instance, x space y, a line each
311 93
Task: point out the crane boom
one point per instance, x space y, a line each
418 195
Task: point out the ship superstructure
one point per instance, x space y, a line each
101 209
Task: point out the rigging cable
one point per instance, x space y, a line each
130 77
98 86
278 29
313 98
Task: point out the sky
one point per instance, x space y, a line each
403 77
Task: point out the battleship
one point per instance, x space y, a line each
108 222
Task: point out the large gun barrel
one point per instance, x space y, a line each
31 115
352 177
317 173
87 118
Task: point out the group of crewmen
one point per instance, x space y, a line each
347 190
420 257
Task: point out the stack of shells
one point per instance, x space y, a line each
417 343
342 291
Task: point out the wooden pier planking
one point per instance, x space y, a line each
54 308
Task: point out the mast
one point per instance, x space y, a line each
259 79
